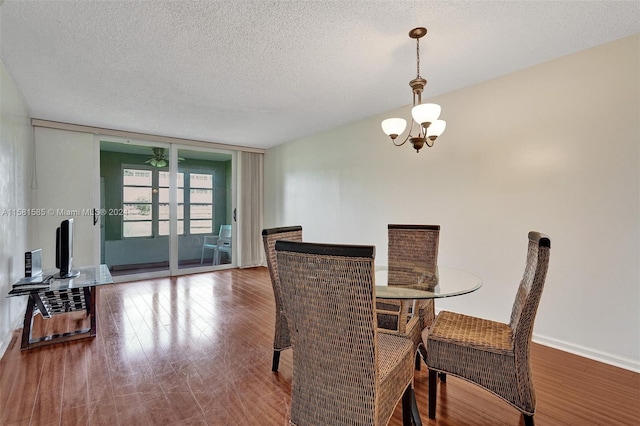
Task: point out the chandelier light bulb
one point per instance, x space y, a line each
394 126
436 129
425 114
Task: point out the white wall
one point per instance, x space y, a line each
16 148
553 148
67 179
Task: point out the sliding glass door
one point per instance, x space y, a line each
163 208
204 209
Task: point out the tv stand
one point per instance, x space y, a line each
64 295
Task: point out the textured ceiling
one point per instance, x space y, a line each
260 73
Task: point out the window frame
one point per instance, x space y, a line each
125 204
188 197
156 203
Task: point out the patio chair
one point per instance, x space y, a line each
218 243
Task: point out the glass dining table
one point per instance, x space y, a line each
424 283
415 283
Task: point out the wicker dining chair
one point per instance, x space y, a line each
344 371
281 339
492 354
409 246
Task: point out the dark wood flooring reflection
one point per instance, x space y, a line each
196 350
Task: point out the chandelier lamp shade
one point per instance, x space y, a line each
426 116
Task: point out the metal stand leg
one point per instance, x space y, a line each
28 322
90 300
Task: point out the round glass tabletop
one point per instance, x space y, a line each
422 283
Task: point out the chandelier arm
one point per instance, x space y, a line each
405 139
403 142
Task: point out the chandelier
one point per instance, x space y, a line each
425 115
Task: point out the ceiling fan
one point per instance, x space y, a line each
159 159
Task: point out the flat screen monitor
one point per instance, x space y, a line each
64 250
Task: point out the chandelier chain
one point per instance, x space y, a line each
418 58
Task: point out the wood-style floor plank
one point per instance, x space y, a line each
196 350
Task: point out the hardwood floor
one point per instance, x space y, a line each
196 350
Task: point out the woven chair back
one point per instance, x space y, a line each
269 237
329 299
411 246
529 292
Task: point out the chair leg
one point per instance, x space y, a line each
276 361
415 414
202 256
406 406
528 420
433 383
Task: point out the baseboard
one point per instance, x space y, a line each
607 358
6 340
255 265
147 265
